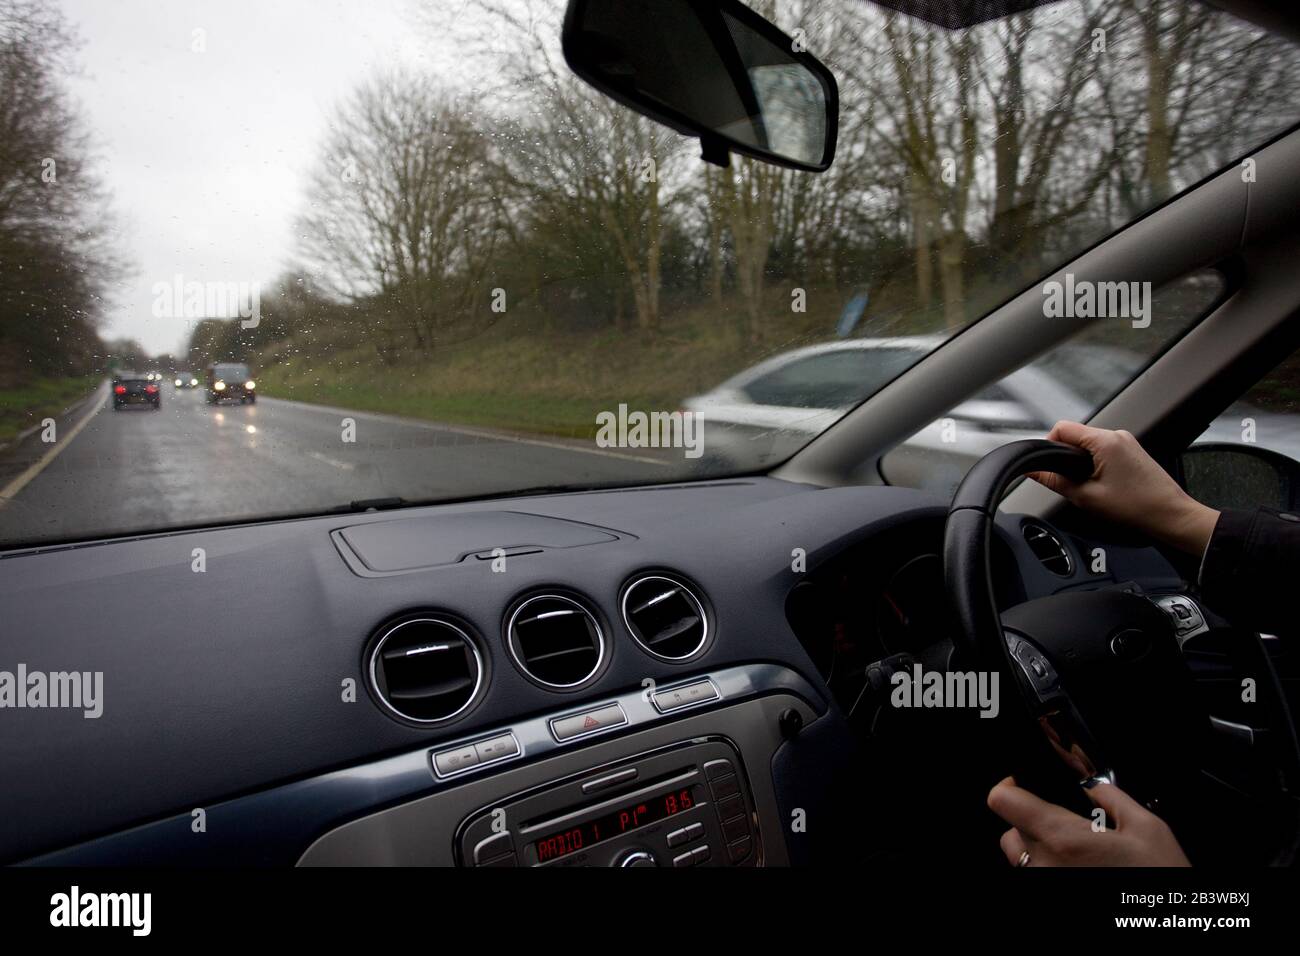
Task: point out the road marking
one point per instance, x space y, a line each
474 432
17 485
345 465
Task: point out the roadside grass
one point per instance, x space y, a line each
516 377
27 404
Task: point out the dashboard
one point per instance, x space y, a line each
600 678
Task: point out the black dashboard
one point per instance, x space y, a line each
612 672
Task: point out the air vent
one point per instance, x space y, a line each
426 669
665 617
1048 549
556 641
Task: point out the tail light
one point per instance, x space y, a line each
151 389
119 389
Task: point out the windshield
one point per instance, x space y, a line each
458 271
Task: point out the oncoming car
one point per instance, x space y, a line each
186 380
230 380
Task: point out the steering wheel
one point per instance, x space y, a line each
1094 685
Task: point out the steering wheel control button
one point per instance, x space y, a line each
687 695
1033 665
595 721
1187 618
447 762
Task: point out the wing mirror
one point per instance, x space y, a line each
1224 475
712 69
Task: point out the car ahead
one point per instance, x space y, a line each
133 388
186 380
230 380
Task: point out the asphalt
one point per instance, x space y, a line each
190 463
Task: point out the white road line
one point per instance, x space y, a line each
473 432
345 465
10 490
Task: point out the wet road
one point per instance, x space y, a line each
189 463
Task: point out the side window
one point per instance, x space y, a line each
1267 416
1071 381
834 379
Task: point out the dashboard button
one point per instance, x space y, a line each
676 698
498 844
718 768
730 808
612 780
684 859
725 787
700 855
457 759
588 722
740 849
498 748
686 834
734 830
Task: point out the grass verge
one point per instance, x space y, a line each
27 404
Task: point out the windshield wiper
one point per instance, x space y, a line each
371 504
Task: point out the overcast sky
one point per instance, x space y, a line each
205 154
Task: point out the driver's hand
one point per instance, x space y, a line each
1127 486
1053 836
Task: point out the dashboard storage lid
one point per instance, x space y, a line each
411 544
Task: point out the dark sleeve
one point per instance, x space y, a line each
1251 569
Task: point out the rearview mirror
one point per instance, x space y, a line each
714 69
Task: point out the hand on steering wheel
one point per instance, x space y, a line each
1099 682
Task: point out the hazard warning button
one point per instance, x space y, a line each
592 721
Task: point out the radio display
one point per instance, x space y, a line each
563 842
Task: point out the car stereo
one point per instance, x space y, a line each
687 805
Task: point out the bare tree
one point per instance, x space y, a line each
402 211
56 264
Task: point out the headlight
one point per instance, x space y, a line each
193 382
250 385
219 387
179 383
